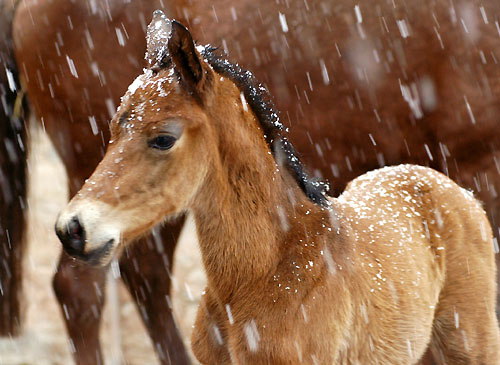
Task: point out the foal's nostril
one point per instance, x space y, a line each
75 229
72 237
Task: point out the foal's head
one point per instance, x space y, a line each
165 141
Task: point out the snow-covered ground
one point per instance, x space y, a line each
44 339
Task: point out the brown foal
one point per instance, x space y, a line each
401 261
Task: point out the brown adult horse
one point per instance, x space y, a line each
372 277
377 83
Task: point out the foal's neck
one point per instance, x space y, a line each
249 212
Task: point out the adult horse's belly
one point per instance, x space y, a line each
363 84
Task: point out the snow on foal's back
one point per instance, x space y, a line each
379 268
416 235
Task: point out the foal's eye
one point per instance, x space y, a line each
163 142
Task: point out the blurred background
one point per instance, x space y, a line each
361 83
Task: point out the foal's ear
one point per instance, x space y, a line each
186 61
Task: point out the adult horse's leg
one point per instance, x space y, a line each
12 179
146 269
80 290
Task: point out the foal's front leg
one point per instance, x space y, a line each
209 338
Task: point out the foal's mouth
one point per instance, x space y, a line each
93 257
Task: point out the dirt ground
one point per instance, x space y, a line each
123 337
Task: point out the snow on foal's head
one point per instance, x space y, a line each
158 154
180 119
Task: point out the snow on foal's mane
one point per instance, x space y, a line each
259 100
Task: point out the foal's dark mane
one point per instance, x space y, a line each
259 100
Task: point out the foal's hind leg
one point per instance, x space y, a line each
146 269
465 329
464 334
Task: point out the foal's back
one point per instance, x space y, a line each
419 240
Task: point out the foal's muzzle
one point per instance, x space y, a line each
74 238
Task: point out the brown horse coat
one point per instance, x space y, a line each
403 259
410 263
353 102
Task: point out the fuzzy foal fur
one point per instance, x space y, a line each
375 290
454 45
401 260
